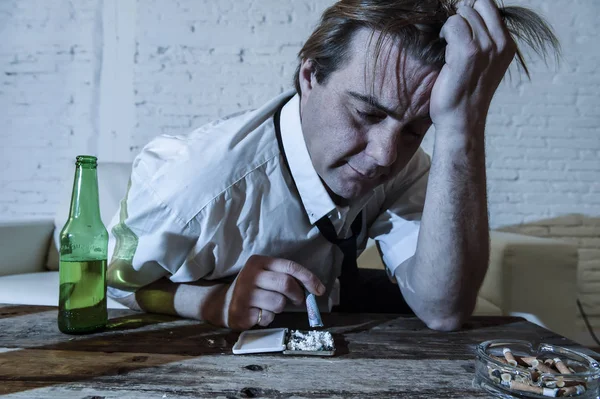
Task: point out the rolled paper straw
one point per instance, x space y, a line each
314 316
560 366
509 357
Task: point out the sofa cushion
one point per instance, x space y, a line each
35 289
483 307
23 245
113 178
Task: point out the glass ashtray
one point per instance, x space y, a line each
518 369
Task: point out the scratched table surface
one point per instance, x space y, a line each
150 356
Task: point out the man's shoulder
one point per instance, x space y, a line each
188 172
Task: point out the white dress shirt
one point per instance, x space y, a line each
198 206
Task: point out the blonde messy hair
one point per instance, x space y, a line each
416 24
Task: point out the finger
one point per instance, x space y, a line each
282 283
267 318
268 300
489 12
461 48
456 30
477 24
302 274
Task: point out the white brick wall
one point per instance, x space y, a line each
104 77
48 98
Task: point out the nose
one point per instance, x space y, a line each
382 147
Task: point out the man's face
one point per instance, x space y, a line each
361 128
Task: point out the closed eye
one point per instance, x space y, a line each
413 133
370 117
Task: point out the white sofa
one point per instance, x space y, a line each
530 277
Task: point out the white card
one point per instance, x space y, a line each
258 341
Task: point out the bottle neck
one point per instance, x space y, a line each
84 201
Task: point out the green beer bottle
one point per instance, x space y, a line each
83 253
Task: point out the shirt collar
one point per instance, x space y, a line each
314 196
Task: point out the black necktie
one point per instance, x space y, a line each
349 274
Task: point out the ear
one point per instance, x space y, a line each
307 80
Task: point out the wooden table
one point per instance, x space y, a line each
150 356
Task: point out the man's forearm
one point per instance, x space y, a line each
200 300
442 280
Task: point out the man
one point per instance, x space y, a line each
235 221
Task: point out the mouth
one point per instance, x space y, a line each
365 175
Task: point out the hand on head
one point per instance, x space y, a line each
478 53
262 289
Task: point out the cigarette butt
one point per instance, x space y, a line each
549 392
549 362
494 375
560 366
530 360
509 357
535 375
506 377
558 383
574 390
536 364
526 360
572 383
550 384
520 361
499 359
545 369
522 378
519 386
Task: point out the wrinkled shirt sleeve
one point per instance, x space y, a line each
147 240
396 229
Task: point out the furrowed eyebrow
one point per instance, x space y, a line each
372 101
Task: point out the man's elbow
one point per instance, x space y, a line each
452 322
449 320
